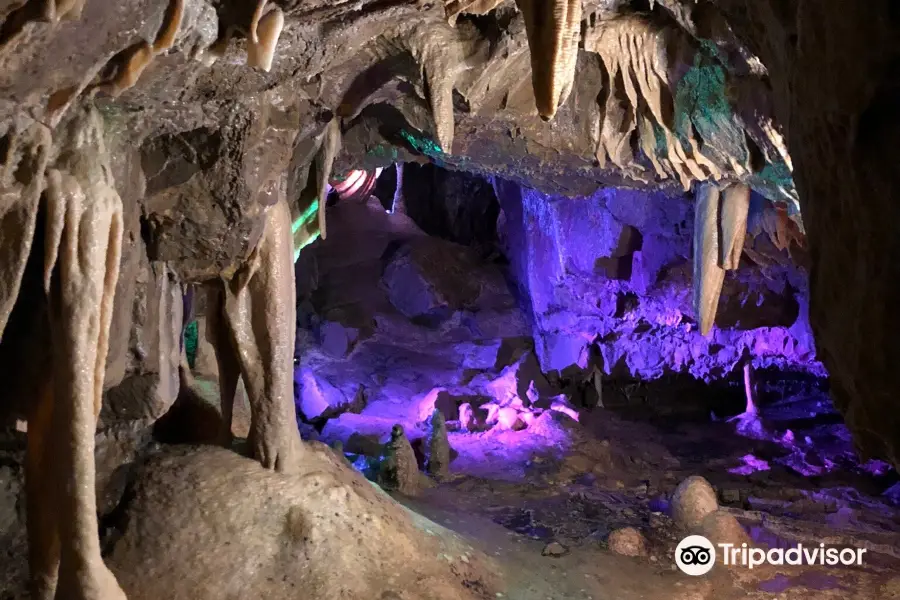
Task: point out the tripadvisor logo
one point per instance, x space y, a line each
696 555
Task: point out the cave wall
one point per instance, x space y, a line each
834 70
607 279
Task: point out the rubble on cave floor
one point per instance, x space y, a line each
524 491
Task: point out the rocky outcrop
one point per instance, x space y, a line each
450 204
295 533
608 281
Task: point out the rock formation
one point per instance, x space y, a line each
149 145
693 500
438 464
323 530
399 469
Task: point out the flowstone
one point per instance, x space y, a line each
206 523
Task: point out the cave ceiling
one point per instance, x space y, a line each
650 95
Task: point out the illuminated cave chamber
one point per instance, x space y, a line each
498 304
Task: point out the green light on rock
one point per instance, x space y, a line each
425 146
190 343
300 225
304 244
307 215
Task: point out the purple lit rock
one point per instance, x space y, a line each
518 383
634 303
562 350
319 398
448 403
337 339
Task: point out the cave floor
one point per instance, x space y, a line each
515 493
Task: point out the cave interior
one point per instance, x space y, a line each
452 300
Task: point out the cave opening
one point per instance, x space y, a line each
555 340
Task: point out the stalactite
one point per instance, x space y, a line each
437 50
708 274
720 226
330 146
554 31
634 54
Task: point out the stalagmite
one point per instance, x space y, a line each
438 464
554 30
399 469
748 387
749 423
260 307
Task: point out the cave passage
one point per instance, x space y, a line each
449 300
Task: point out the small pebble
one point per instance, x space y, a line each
554 549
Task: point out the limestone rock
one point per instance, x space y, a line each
428 279
226 167
627 541
399 468
693 499
254 533
116 448
338 447
13 547
452 205
722 527
473 418
150 380
438 463
367 445
318 399
554 549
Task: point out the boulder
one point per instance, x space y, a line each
319 399
627 541
692 501
206 523
721 527
428 279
